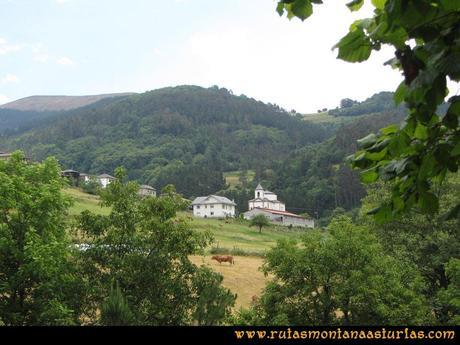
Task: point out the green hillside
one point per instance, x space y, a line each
186 135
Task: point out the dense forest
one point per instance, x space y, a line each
189 136
184 135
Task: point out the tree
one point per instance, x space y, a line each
144 246
425 36
450 297
115 310
343 277
38 285
429 243
260 221
212 301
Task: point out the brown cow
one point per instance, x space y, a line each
223 258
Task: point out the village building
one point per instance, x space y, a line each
105 179
281 217
70 174
146 190
85 177
267 203
266 199
4 155
213 206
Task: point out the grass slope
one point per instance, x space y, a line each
232 178
244 278
234 233
84 201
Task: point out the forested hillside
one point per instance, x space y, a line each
316 179
184 135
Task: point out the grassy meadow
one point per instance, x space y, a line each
232 178
244 277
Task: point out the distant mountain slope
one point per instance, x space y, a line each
56 103
316 179
185 135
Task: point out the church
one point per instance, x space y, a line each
266 199
267 204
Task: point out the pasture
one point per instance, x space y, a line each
232 178
243 278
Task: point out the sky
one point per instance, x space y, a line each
84 47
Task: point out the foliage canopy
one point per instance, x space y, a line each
426 37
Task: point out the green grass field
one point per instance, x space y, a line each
244 277
232 178
227 233
234 233
325 118
84 201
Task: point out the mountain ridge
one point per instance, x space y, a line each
41 103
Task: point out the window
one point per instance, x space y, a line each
198 206
212 213
258 194
212 206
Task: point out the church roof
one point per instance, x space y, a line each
266 199
259 187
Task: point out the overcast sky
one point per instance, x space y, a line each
80 47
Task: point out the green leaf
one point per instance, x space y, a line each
367 141
302 9
391 129
456 150
428 202
381 214
400 93
421 132
452 115
453 5
369 176
280 8
427 166
376 156
355 5
354 47
379 4
380 145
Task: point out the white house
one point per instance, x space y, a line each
105 179
145 190
266 199
281 217
85 177
213 206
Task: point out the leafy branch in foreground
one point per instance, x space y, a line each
426 37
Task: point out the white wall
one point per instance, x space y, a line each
104 182
281 219
214 210
278 206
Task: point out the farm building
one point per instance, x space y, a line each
85 177
281 217
4 155
213 206
146 190
105 179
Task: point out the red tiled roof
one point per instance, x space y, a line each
285 213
